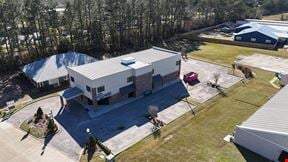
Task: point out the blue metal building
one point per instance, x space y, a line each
257 33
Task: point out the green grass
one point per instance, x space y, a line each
94 158
225 54
276 17
34 131
200 138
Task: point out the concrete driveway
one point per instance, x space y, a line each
265 62
123 127
15 146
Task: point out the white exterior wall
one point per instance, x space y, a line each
80 82
142 70
262 143
166 66
113 82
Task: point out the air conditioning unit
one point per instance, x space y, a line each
128 61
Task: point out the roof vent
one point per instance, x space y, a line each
128 61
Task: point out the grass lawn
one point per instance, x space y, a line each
225 54
92 158
34 131
276 17
200 138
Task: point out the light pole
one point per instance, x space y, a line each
51 114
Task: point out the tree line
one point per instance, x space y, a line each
33 29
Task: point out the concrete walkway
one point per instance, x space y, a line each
16 147
265 62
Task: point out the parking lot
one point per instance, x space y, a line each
265 62
121 128
201 92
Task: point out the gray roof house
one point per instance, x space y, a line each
53 70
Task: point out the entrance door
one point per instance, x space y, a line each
104 101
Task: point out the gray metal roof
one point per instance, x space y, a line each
111 66
55 66
272 31
273 116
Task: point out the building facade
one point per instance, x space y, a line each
133 75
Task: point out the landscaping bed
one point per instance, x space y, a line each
39 125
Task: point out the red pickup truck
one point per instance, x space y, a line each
190 78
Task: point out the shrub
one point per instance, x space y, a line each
51 126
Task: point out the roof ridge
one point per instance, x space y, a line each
48 62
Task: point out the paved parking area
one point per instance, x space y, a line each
121 128
201 92
15 146
265 62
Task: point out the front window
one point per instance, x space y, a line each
72 79
88 88
178 62
253 39
129 79
100 89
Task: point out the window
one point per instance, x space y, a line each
72 79
178 62
152 71
253 39
238 38
100 89
130 79
88 88
267 41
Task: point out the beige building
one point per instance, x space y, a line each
133 75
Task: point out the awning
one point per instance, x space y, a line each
157 78
128 89
71 93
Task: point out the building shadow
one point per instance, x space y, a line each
250 156
104 127
47 139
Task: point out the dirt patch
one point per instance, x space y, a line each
9 89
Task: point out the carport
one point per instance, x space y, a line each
70 94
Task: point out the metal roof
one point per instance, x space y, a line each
71 93
111 66
55 66
272 31
272 116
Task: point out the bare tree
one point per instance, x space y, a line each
153 111
216 77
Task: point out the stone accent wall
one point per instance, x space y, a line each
93 92
143 83
170 77
117 97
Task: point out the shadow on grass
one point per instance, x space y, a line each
90 153
250 156
177 44
156 133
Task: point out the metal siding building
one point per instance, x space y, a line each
113 81
259 33
266 131
53 70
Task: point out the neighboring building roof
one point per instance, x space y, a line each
272 116
264 29
55 66
111 66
